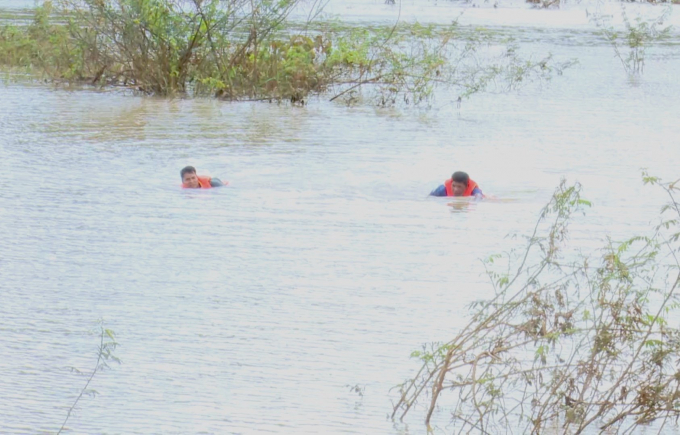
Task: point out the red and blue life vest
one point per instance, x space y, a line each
468 191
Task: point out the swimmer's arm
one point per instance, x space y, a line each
216 182
477 193
439 191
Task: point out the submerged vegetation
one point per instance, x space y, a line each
568 343
557 3
107 346
630 45
245 50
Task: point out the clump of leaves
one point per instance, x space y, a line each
546 4
567 341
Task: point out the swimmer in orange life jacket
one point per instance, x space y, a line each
192 181
458 185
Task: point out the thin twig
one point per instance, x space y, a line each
99 358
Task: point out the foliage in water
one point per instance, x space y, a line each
105 354
630 45
557 3
245 50
568 342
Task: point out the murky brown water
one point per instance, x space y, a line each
252 308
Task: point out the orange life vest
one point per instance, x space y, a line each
203 181
468 192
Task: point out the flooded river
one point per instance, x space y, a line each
265 306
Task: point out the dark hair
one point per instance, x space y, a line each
460 177
187 170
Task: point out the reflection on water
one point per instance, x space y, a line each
252 308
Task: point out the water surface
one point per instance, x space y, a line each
253 308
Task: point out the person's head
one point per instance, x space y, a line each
189 177
459 182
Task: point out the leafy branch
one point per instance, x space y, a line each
104 354
567 340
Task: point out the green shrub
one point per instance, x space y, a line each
243 51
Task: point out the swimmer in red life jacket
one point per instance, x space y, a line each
192 181
459 184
